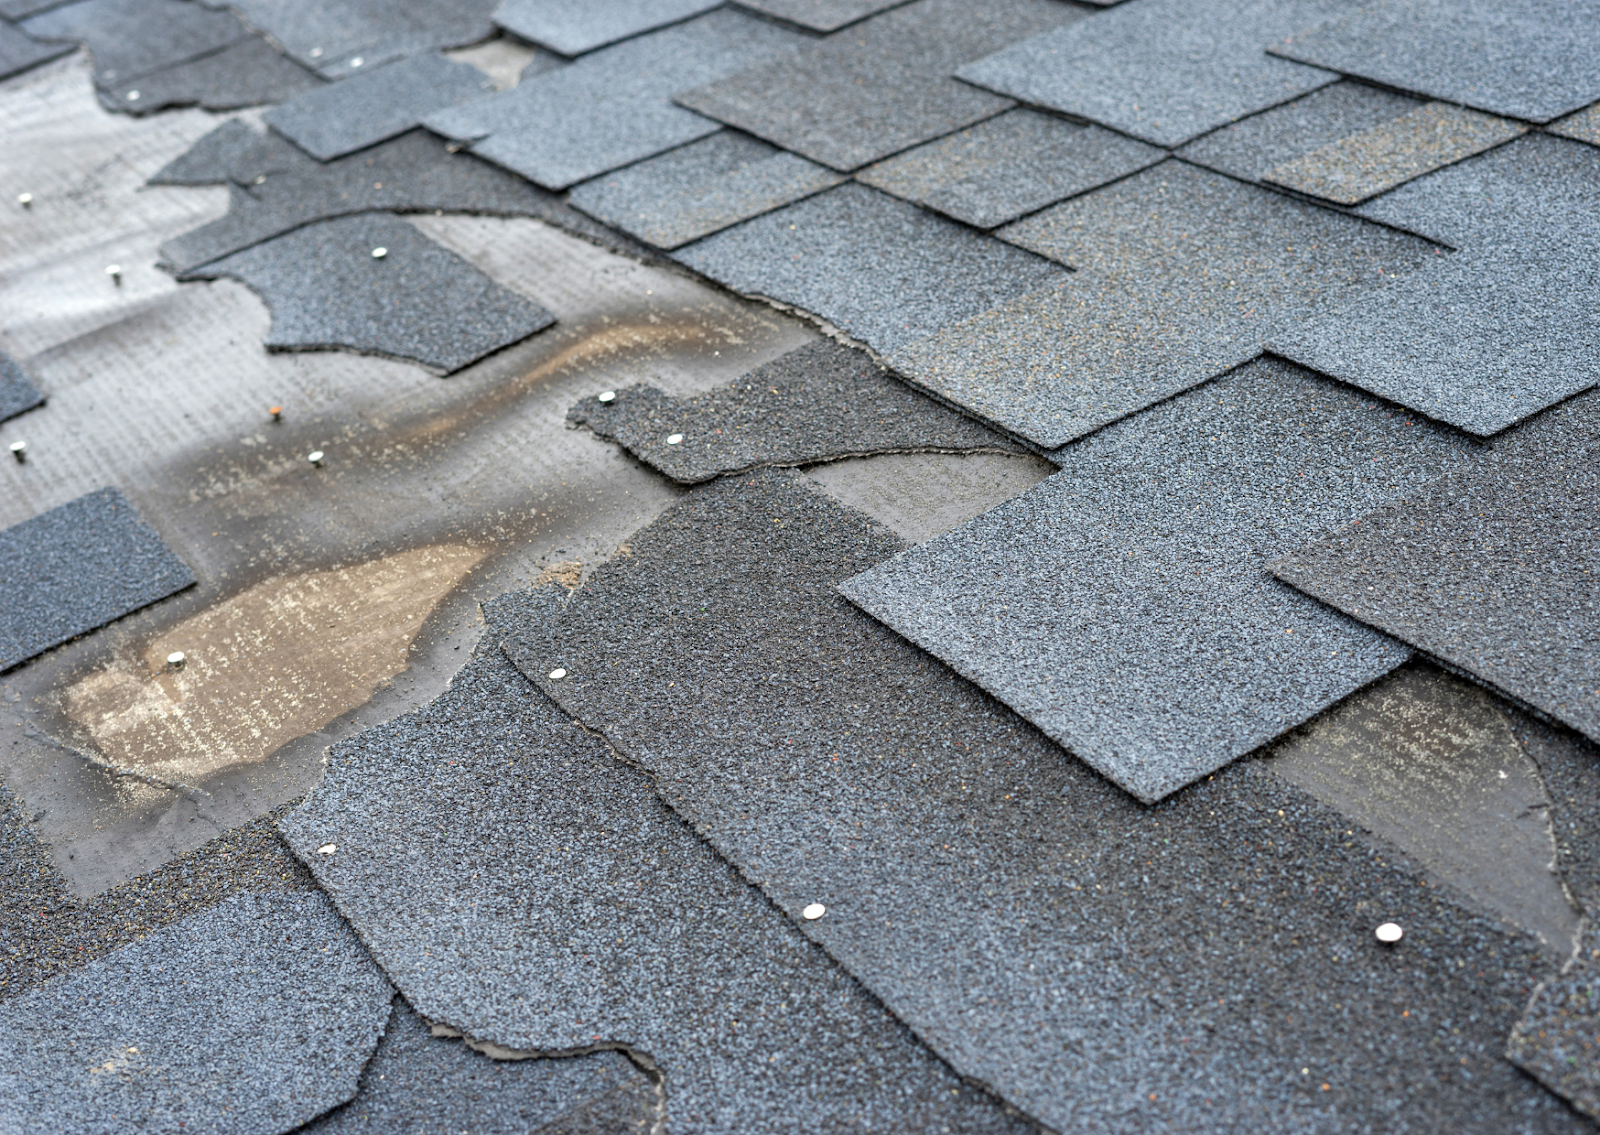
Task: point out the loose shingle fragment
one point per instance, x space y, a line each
254 1016
820 15
374 105
18 394
77 567
613 107
20 51
573 27
879 88
819 402
341 37
523 886
1535 60
1584 125
701 188
417 302
1016 163
130 38
1558 1040
879 269
1102 965
1162 70
248 73
211 159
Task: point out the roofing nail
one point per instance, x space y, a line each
327 849
813 912
557 674
276 412
607 396
133 96
1389 933
315 457
379 253
175 660
115 272
357 61
316 53
19 450
24 199
674 439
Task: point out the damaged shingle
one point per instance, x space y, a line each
573 27
248 73
20 51
341 37
1558 1039
130 38
1584 126
18 394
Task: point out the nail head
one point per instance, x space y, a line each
176 660
24 199
327 849
276 412
379 253
557 674
315 457
1390 933
133 96
674 439
813 912
357 61
608 396
19 450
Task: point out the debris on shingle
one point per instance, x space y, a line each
375 105
698 189
881 87
879 269
342 37
1204 965
18 394
820 15
254 1016
130 38
613 108
249 73
819 402
1013 164
20 51
573 27
1161 70
1535 60
76 568
1583 126
524 887
417 301
1558 1040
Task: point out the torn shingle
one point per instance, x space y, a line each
248 73
1535 60
130 38
20 51
881 87
820 15
1161 70
340 37
1583 126
210 160
18 394
1558 1040
613 107
573 27
819 402
487 844
1102 965
254 1016
701 188
375 105
76 568
418 302
879 269
998 170
1569 764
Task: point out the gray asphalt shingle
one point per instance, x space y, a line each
340 37
248 73
1584 125
20 51
18 394
573 27
129 38
820 15
1556 1040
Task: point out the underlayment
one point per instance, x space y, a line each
820 402
1161 70
881 87
880 270
521 885
339 37
573 28
77 567
1584 126
1123 605
249 73
613 108
1494 570
370 107
418 302
254 1016
820 15
702 188
1013 164
20 51
1204 965
1556 1040
18 394
130 38
420 1084
1535 60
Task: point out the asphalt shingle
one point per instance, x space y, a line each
820 15
573 27
1584 125
340 37
18 394
129 38
248 73
1556 1040
20 51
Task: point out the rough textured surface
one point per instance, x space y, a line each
367 108
1535 60
922 495
339 37
882 271
20 51
820 15
18 394
1558 1039
700 189
1204 965
1584 125
1570 766
419 302
1123 605
77 567
880 87
537 862
212 158
818 403
998 170
254 1016
130 38
248 73
1161 70
613 107
573 27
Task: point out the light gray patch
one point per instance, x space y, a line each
574 28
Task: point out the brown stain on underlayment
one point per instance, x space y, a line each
271 664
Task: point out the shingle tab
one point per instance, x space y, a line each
820 15
18 394
129 38
573 27
20 51
1556 1040
248 73
341 37
1584 125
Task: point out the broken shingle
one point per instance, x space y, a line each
211 159
879 269
1584 126
998 170
18 394
340 37
574 28
254 1016
701 188
819 402
76 568
881 87
375 105
1161 70
20 51
130 38
820 15
1569 765
419 302
248 73
613 108
1558 1040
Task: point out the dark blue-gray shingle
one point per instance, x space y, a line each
341 37
18 394
248 73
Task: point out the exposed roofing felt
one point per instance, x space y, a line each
1535 60
18 394
1036 926
1558 1039
573 27
1162 70
820 15
374 105
879 269
998 170
487 844
819 402
129 38
77 567
613 107
698 189
254 1016
248 73
20 51
1584 125
339 37
416 301
880 87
